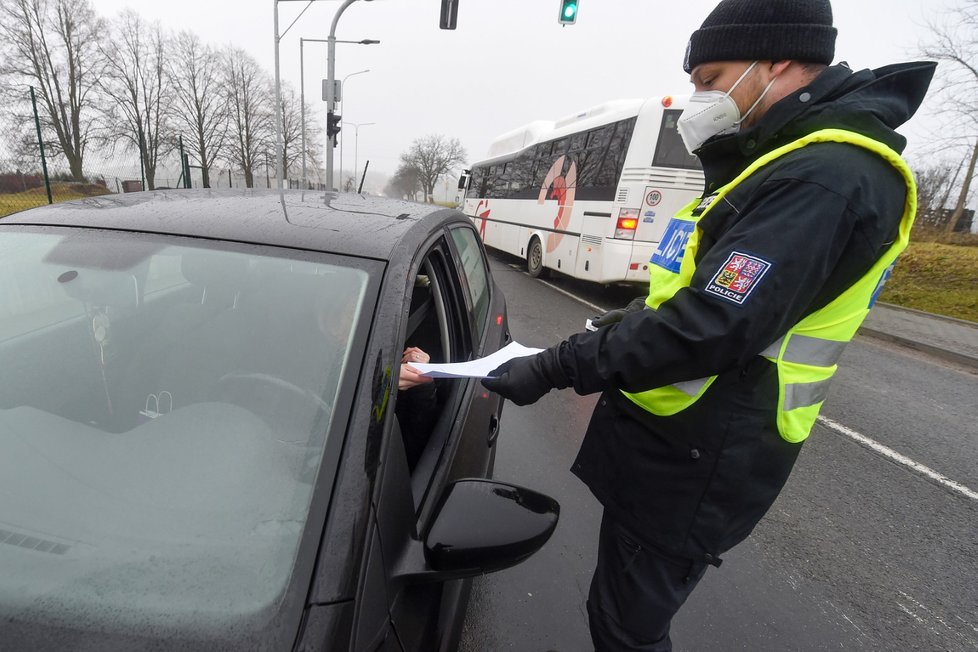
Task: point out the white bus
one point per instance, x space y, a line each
589 195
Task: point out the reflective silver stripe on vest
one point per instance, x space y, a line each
691 387
774 350
799 395
812 351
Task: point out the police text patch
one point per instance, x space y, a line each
738 277
672 247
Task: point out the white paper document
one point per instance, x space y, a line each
476 368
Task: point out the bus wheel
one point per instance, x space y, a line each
534 258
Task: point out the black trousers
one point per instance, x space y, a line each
635 592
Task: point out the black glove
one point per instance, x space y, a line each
615 316
525 380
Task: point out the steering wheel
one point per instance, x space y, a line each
280 419
275 382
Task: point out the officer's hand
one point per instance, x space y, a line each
616 315
525 380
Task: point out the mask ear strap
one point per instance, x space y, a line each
741 78
761 97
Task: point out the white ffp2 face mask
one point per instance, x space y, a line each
714 113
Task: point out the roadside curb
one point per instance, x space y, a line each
937 352
931 315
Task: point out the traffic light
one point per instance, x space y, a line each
568 12
449 14
333 121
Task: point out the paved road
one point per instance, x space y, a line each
858 553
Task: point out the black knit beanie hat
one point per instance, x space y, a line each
769 30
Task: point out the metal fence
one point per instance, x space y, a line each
939 218
35 171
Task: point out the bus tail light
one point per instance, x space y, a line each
627 224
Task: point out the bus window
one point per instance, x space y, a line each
615 160
670 152
522 176
599 138
500 187
477 184
589 164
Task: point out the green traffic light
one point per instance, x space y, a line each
570 10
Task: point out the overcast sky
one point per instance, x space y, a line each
508 63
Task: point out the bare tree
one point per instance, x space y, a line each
954 41
137 83
201 103
54 45
433 156
935 182
405 183
250 111
292 133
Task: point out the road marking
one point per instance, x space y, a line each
927 613
910 613
891 454
575 297
587 303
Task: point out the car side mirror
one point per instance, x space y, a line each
484 526
480 526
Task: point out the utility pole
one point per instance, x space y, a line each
302 109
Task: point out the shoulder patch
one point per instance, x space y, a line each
738 277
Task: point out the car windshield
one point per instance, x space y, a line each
164 411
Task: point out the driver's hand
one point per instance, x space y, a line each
409 376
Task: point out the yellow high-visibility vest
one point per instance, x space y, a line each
807 355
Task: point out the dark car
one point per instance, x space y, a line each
202 441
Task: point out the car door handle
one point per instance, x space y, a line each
493 429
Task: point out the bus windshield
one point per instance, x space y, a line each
670 152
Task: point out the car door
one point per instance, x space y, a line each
424 616
486 310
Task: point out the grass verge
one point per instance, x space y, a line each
936 277
21 201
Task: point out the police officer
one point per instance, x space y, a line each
711 384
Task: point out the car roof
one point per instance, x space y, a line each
342 223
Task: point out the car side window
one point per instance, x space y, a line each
438 323
474 276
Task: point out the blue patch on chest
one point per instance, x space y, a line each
887 273
669 255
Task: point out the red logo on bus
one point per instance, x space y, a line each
562 187
484 215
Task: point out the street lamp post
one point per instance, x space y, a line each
331 99
302 94
356 145
343 86
278 84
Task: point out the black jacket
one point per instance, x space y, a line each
696 484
